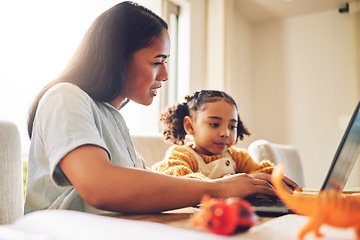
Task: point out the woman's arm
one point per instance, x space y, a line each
106 186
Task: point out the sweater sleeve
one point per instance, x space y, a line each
178 162
245 164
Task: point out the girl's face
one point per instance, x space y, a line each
145 71
214 127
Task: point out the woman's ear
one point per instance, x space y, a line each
188 125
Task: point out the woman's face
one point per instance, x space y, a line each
145 71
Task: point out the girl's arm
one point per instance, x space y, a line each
106 186
245 163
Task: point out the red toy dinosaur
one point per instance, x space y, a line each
224 216
327 207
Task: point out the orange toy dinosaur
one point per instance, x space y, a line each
327 207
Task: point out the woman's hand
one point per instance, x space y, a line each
243 185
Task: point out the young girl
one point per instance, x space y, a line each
212 119
81 154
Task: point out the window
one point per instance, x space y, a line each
145 119
38 38
176 13
169 91
36 46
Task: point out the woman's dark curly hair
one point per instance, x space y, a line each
173 118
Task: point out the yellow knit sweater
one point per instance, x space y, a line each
180 162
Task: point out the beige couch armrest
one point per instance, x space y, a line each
151 147
11 181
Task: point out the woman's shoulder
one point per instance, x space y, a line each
65 96
66 91
64 88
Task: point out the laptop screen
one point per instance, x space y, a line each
346 155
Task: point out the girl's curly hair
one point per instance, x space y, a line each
173 118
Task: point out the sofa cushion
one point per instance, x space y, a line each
151 147
11 182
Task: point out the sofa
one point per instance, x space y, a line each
151 147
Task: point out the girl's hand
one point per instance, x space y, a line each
244 185
292 185
289 184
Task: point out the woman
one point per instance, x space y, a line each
81 155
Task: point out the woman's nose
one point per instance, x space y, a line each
163 74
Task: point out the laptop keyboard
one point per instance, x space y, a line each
266 207
267 202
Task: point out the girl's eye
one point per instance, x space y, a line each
214 124
233 127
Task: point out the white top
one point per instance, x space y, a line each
216 169
66 119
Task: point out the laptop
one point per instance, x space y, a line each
338 173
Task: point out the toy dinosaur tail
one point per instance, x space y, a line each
297 202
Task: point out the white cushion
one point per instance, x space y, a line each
11 184
279 153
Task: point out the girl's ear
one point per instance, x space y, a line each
188 125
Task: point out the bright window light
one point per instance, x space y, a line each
38 38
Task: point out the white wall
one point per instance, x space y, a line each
198 44
239 84
305 64
319 86
292 79
301 86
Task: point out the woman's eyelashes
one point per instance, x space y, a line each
160 63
